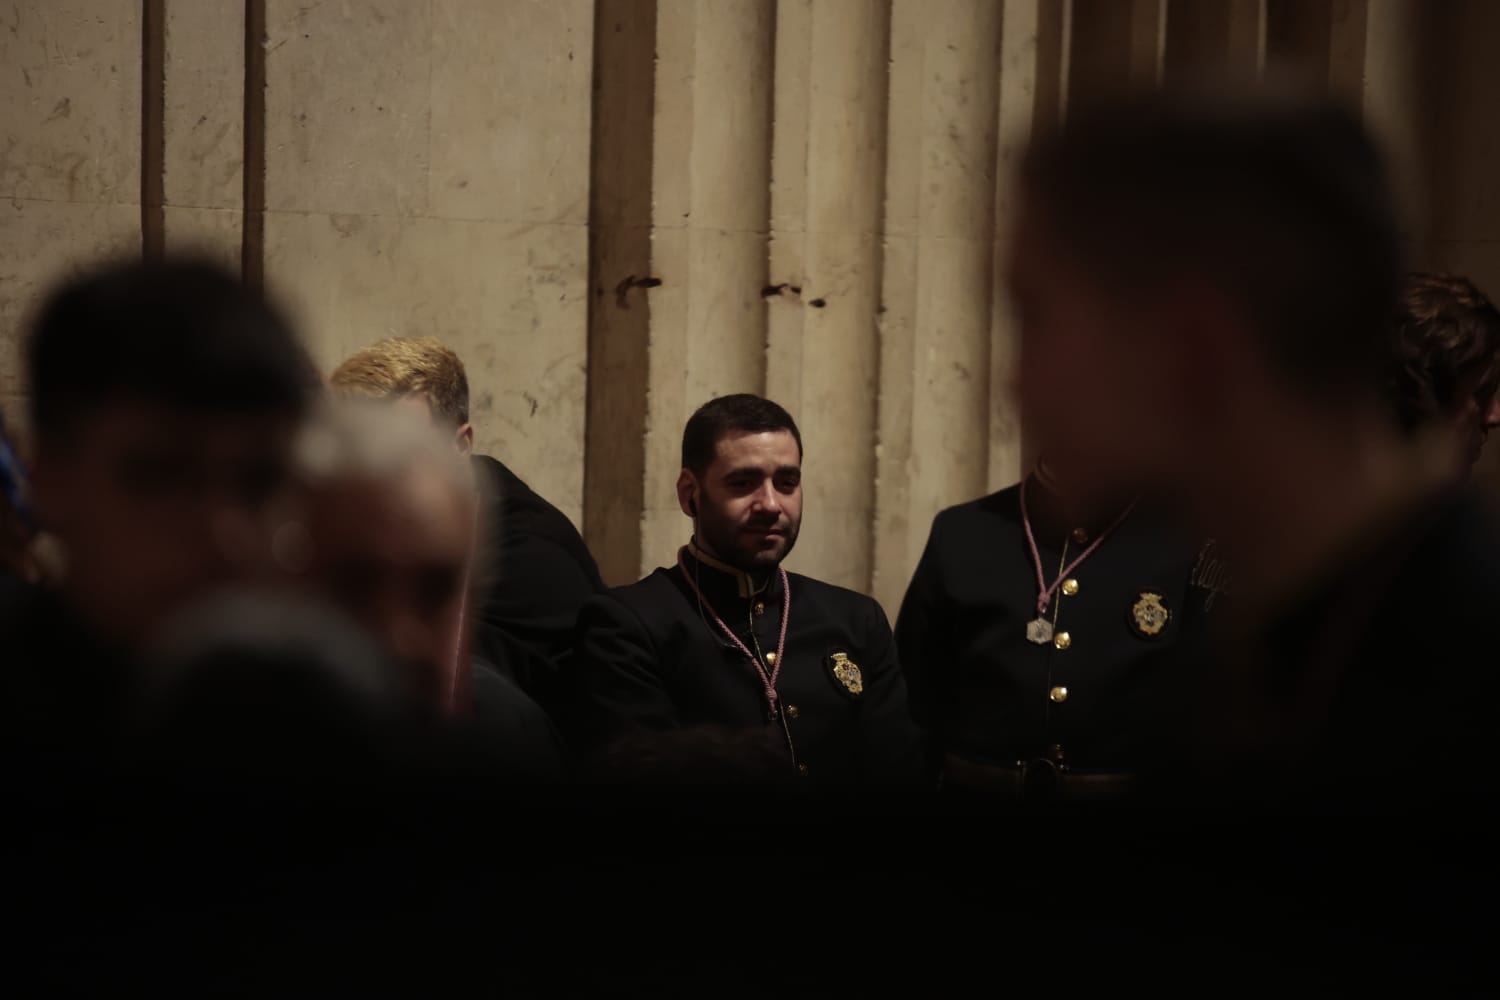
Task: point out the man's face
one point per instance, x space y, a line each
749 499
156 506
1474 421
392 553
1095 379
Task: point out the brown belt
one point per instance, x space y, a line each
1040 780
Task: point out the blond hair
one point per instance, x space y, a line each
408 366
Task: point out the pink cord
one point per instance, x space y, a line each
1044 595
769 680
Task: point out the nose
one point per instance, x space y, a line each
1491 416
768 499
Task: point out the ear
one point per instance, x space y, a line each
463 440
687 492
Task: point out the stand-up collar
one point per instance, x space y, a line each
722 576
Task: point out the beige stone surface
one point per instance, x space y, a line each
838 396
209 232
508 298
348 107
896 322
510 109
427 173
1021 63
70 142
624 70
951 366
789 169
429 166
70 101
711 161
204 91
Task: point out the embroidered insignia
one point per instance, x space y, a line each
1149 614
1210 574
846 672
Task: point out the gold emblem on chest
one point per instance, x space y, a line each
847 673
1149 614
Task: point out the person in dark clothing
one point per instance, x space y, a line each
164 399
1445 354
388 518
535 571
727 638
1206 286
1031 690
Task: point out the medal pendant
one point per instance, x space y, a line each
1039 631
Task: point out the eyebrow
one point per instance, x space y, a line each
755 470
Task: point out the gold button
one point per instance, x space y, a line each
760 607
1062 640
1058 694
791 711
1070 587
771 658
1080 536
802 770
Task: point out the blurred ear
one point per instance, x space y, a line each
463 439
687 488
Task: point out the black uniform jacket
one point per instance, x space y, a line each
1373 691
987 694
651 657
532 575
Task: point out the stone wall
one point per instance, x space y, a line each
615 209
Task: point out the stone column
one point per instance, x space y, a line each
711 185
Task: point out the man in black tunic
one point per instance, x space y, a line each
534 571
725 637
1032 630
1206 289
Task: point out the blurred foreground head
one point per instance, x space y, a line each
387 532
1186 267
261 682
164 399
1446 362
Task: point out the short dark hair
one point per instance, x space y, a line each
1280 201
183 332
739 413
1446 343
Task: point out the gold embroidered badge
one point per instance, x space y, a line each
846 672
1150 614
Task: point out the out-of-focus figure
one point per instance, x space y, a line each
1207 288
164 401
387 535
18 564
1446 363
726 638
533 571
1033 630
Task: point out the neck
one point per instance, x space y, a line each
1292 514
1077 505
749 583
